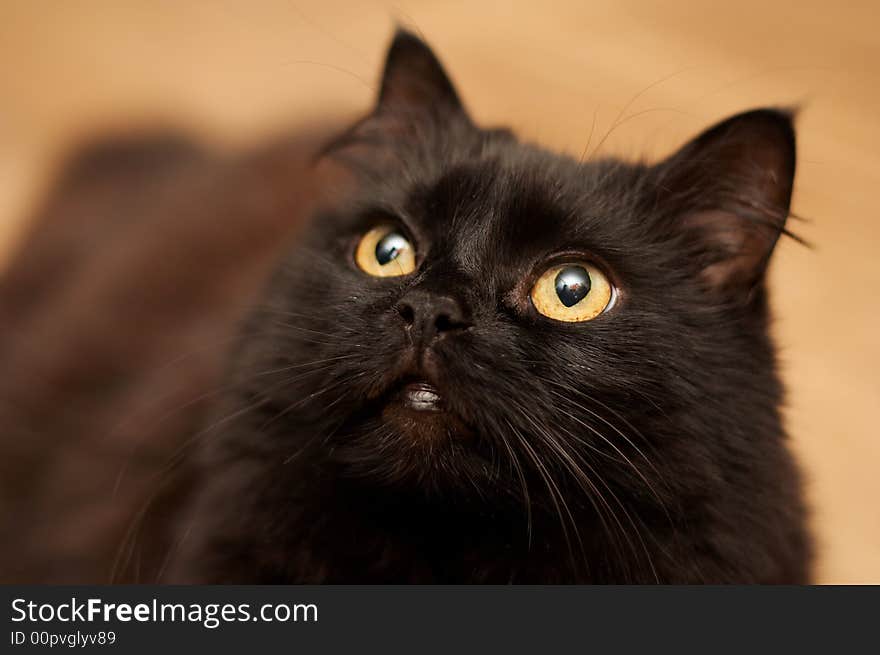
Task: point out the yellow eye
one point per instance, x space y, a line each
572 292
385 252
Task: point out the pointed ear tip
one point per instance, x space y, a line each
792 111
401 31
772 126
782 118
785 122
414 77
405 38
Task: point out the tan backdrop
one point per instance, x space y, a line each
559 73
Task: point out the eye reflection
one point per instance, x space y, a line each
385 252
573 292
572 284
389 247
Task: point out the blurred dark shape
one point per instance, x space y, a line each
115 317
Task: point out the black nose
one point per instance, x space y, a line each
429 316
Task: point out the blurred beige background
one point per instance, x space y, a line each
233 71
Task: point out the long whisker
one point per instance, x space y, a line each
586 483
598 416
638 471
613 446
552 488
200 398
311 397
527 501
292 367
623 508
574 467
618 120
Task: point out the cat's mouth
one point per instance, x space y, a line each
419 408
412 386
420 396
412 429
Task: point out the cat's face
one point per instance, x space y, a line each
483 315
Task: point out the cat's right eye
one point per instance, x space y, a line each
385 252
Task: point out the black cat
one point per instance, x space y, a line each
491 363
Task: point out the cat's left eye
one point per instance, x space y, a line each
572 292
385 252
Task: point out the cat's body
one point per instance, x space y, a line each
116 319
439 424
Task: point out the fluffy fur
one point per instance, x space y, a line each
643 446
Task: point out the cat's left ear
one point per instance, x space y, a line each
730 190
414 83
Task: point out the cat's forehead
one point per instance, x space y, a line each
520 203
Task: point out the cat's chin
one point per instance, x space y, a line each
412 437
417 410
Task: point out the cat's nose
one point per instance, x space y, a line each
429 316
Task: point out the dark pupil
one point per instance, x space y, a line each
389 247
572 284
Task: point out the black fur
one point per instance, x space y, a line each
642 446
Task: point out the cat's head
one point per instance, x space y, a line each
484 315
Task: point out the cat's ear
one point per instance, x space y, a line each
415 92
414 82
730 190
